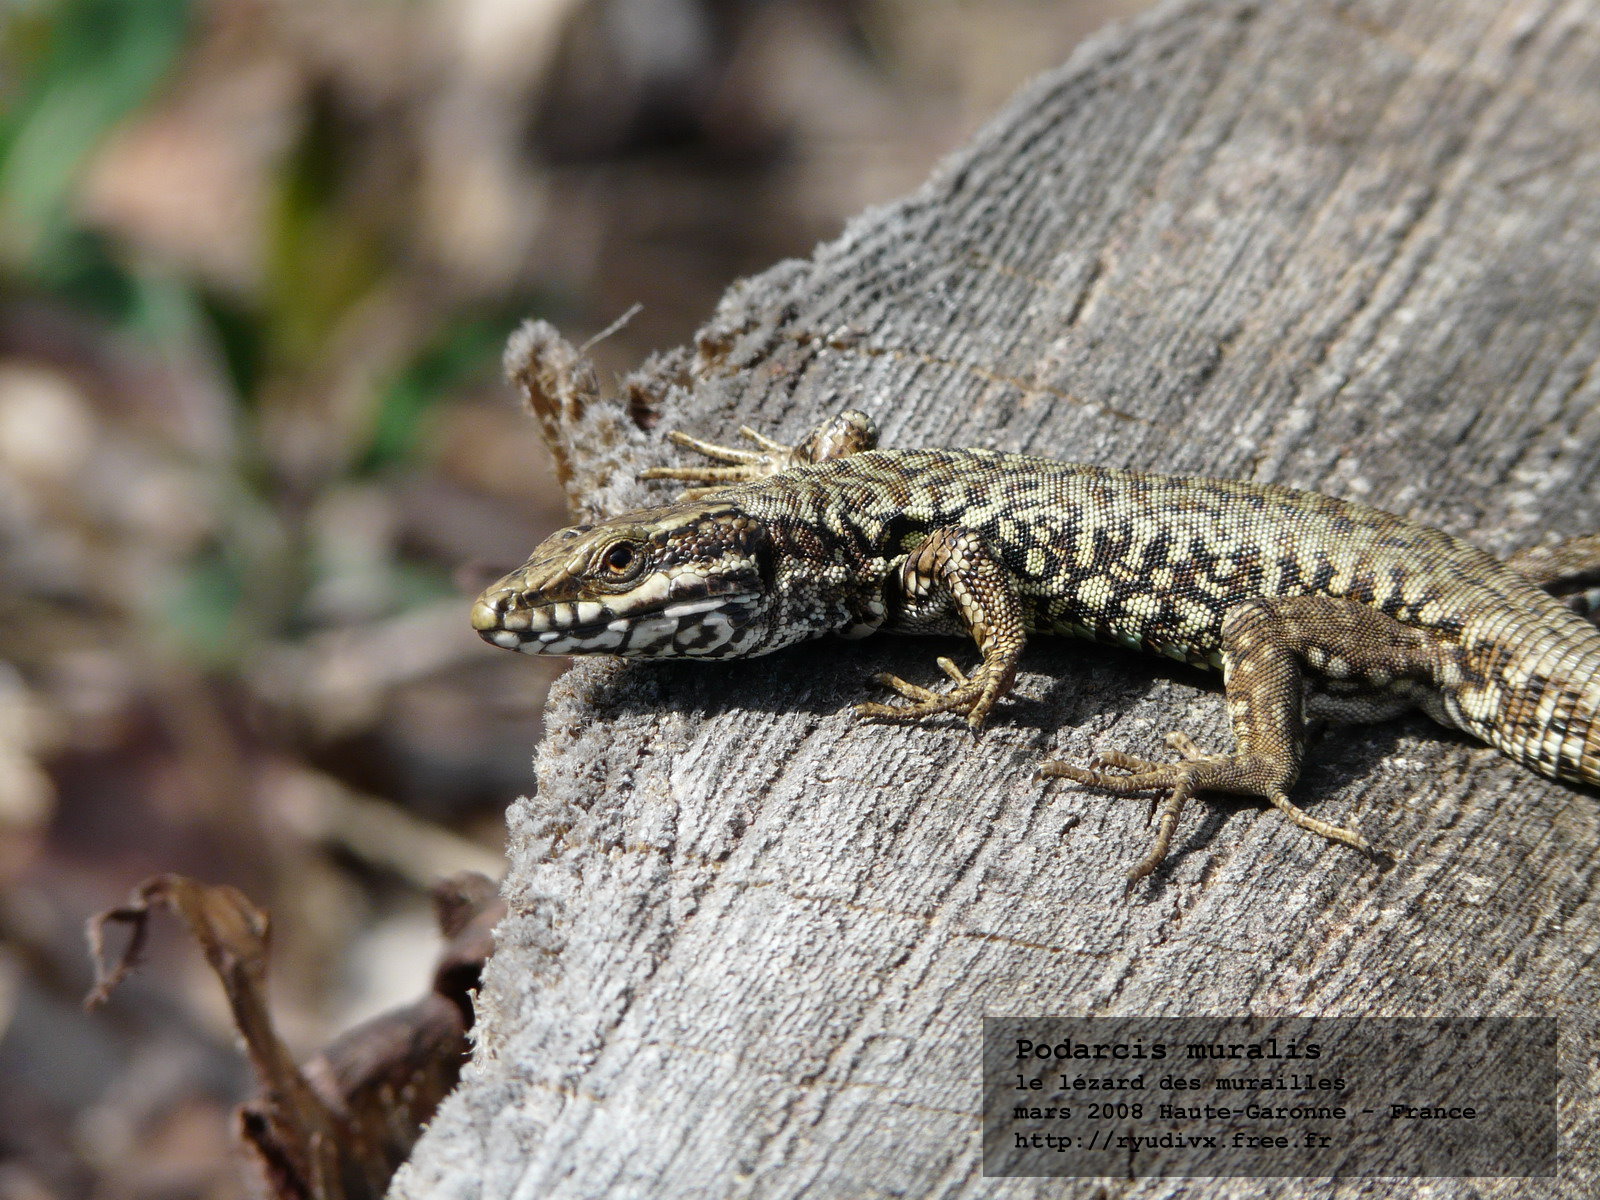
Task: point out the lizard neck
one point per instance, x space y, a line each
827 579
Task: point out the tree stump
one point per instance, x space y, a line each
1347 246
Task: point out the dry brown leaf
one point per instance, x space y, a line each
337 1128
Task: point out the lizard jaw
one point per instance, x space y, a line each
705 627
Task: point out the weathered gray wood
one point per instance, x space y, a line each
1348 246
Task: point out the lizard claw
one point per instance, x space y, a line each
1131 766
736 465
1179 780
972 697
1195 771
909 690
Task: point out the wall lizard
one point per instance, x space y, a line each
1292 595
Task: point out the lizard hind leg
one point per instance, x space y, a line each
1266 642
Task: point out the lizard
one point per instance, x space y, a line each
1292 595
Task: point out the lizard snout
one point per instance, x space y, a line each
487 612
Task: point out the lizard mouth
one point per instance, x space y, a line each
699 627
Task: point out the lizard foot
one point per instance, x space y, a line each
740 466
1194 772
972 697
848 433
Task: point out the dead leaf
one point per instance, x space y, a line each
337 1128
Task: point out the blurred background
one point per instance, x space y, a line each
257 262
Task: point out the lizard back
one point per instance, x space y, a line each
1156 562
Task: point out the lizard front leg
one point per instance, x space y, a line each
1265 642
952 576
850 432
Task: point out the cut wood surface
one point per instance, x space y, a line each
1353 247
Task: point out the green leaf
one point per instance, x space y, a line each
325 236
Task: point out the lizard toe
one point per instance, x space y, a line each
972 700
910 691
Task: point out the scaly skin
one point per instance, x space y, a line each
1276 588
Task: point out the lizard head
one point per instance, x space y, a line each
682 581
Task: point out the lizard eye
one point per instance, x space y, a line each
620 558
